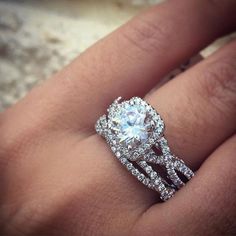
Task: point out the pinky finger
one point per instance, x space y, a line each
206 206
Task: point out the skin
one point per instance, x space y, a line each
58 177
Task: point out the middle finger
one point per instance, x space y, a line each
199 106
139 53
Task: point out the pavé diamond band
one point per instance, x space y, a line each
135 133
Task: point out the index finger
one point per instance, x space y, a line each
129 61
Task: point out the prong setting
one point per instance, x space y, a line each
149 126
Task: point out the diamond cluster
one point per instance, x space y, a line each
131 128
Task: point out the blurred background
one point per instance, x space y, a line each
37 38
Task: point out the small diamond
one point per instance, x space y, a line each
129 166
135 155
152 141
153 175
165 150
171 171
148 169
146 181
143 164
183 169
141 177
159 130
141 150
151 185
118 154
157 182
132 102
135 172
161 188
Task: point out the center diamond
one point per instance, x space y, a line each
133 125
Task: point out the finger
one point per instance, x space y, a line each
207 205
208 93
199 106
139 54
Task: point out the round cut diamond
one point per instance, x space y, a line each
133 125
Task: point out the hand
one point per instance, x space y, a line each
58 177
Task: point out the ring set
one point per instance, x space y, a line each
135 134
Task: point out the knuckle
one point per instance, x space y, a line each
219 83
146 35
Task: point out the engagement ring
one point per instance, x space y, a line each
135 134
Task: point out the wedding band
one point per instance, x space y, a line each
135 134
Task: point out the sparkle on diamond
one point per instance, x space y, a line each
133 125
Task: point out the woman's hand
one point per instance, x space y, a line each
58 177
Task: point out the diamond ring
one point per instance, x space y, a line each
135 134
